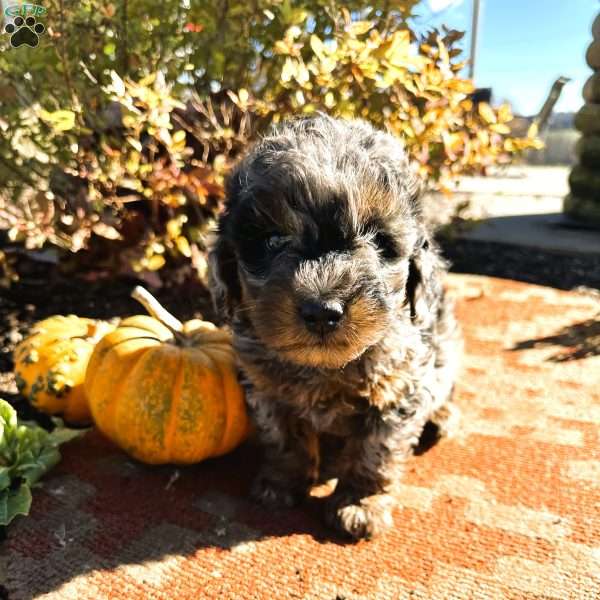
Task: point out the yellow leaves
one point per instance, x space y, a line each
129 121
390 76
329 100
178 136
153 263
531 140
453 143
359 28
533 130
148 80
135 143
183 246
174 227
174 200
301 76
288 45
430 117
496 119
174 162
484 137
117 86
394 48
178 141
175 239
288 71
357 73
132 164
504 113
293 32
106 231
59 120
318 47
486 112
515 145
243 96
241 99
462 86
299 98
466 106
443 56
174 242
146 103
296 70
161 120
385 78
291 15
500 128
281 47
324 70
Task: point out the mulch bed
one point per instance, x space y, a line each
561 271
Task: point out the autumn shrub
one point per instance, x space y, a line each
119 128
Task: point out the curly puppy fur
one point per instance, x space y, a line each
331 282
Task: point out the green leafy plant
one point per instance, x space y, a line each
27 451
118 130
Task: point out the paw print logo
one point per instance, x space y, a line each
24 31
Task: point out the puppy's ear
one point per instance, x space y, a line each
223 278
422 284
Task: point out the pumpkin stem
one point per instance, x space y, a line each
155 309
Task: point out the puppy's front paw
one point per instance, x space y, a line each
360 518
274 494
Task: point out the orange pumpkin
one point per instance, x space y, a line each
50 365
164 391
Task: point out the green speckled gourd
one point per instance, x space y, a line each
587 119
583 202
585 182
591 89
50 365
588 151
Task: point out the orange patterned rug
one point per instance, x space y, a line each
510 508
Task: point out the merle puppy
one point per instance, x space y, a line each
331 283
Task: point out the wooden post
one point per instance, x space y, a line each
474 33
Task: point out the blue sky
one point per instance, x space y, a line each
523 46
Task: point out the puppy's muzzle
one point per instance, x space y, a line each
321 316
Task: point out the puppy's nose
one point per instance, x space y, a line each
321 316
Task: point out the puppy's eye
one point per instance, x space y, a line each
276 242
386 245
